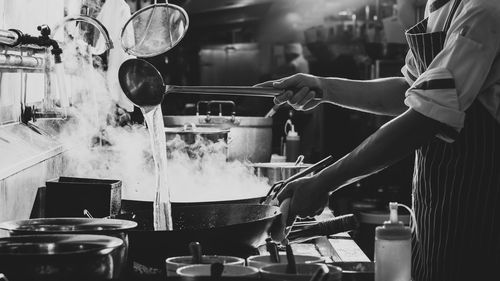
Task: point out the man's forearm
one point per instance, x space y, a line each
389 144
383 96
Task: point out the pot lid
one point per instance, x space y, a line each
67 225
58 244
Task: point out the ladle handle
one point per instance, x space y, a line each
226 90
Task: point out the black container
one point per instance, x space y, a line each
69 197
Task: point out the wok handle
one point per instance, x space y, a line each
325 228
3 277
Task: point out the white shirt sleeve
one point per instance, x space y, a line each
456 75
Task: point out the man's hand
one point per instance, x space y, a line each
302 91
308 197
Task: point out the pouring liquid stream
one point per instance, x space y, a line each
162 212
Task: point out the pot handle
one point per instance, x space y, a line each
216 102
189 127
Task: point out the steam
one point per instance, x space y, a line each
100 148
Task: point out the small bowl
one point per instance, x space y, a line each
304 272
173 263
260 261
203 270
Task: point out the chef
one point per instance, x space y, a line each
447 109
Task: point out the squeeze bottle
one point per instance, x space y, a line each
392 249
292 143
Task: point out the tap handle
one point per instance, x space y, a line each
44 30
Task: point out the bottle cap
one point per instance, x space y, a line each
393 229
292 132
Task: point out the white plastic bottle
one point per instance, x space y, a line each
393 249
292 141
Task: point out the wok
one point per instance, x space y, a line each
220 228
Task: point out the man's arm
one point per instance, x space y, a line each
383 96
389 144
380 96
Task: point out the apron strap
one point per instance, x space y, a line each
454 8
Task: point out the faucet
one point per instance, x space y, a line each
43 40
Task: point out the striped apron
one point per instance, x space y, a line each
456 186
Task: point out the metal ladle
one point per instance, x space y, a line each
143 85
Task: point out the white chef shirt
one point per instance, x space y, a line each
470 60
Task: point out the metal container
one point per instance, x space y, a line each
173 263
70 226
193 272
59 257
249 139
277 171
305 271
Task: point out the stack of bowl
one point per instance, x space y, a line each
100 242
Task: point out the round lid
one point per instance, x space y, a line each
58 244
67 225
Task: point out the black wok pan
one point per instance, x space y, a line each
220 228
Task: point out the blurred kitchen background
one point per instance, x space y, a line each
229 42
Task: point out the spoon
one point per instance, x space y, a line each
291 267
321 274
143 85
272 248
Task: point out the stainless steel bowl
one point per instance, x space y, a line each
45 226
58 257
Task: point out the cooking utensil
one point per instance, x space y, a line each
195 250
46 226
143 85
59 257
291 267
276 188
272 248
251 136
154 30
220 228
321 274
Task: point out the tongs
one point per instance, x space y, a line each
278 186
